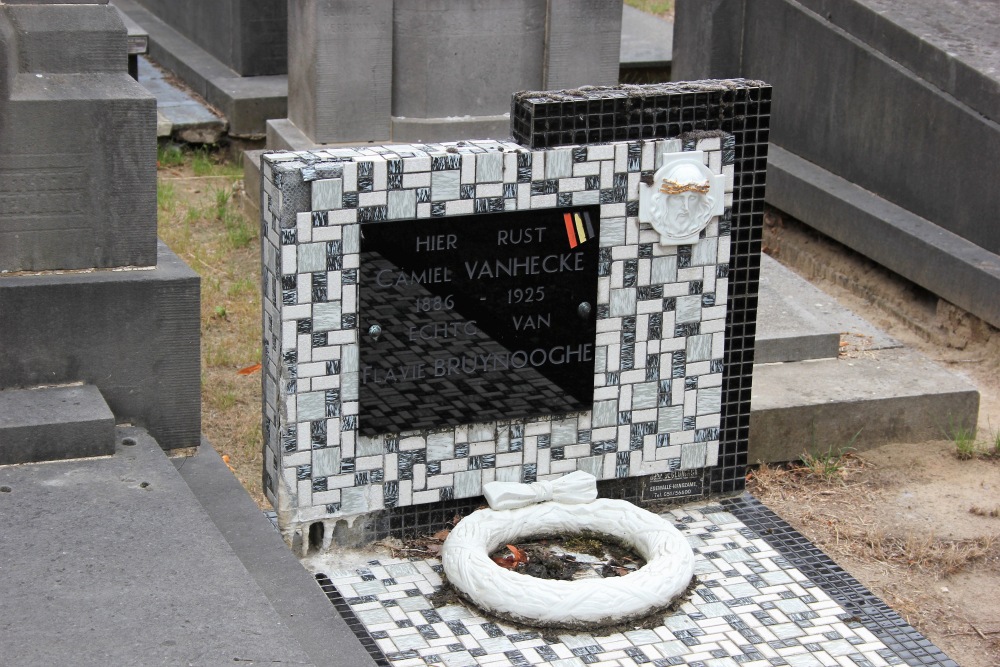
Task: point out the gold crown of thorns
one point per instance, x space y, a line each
674 188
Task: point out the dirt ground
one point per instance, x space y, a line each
914 522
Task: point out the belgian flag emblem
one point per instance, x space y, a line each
578 228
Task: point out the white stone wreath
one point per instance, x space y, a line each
569 604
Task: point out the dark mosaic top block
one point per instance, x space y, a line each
592 114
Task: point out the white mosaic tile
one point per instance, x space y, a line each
749 607
657 323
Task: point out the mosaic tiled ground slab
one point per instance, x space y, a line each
751 607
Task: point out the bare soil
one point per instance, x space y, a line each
914 522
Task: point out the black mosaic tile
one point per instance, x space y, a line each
739 108
863 606
356 626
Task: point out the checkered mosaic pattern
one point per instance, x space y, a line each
740 107
661 316
750 607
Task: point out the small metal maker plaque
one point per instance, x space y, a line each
671 485
477 318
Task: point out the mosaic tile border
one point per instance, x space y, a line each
353 622
757 604
905 640
304 458
654 303
739 107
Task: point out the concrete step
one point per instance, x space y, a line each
827 379
179 114
859 401
246 102
797 321
647 41
124 539
54 423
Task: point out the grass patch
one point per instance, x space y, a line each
828 464
201 220
240 231
201 165
169 155
968 447
827 467
943 557
965 443
166 197
662 8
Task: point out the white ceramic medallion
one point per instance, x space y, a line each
683 199
567 505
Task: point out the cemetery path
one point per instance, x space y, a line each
914 522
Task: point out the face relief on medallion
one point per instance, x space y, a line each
683 199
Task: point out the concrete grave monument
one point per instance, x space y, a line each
433 71
440 316
88 297
903 183
248 36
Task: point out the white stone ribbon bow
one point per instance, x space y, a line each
576 488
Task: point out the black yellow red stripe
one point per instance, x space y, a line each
579 229
570 229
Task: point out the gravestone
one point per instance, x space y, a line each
433 71
908 194
439 316
248 36
87 294
51 214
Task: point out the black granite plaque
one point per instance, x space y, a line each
477 318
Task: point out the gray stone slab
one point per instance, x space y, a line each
138 39
953 44
647 40
428 81
113 562
934 258
887 147
249 101
73 199
133 334
93 37
874 398
251 180
797 321
246 102
788 326
249 36
340 69
430 130
292 591
188 118
707 39
874 131
583 43
51 423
